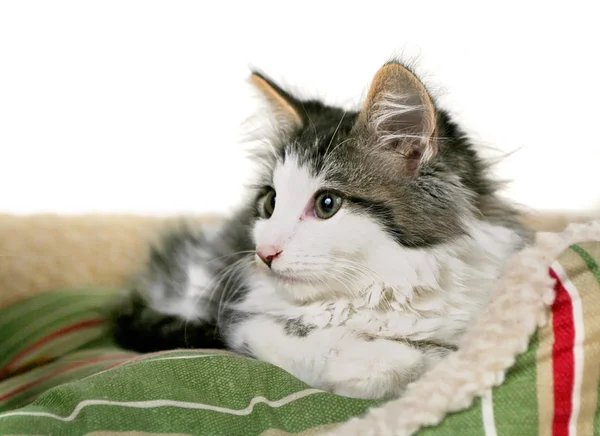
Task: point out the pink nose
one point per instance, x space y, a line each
267 253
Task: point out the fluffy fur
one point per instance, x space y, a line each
361 301
519 304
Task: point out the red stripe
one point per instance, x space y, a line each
60 371
6 302
563 359
64 331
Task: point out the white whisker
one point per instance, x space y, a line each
334 133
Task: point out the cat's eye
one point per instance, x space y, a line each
268 204
327 205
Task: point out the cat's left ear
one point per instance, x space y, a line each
400 115
284 108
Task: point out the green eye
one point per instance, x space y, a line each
268 204
327 205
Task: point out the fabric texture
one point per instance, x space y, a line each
529 366
41 253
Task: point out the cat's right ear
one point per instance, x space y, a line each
401 116
284 108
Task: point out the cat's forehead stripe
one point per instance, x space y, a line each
295 181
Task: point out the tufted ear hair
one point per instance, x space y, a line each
284 108
401 116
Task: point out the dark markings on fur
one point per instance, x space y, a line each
139 328
383 214
419 211
428 345
424 210
297 327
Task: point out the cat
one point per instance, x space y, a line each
370 241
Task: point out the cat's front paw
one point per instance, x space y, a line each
378 369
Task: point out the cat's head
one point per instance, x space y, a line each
348 198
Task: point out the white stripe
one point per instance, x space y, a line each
191 357
167 403
136 359
487 414
578 346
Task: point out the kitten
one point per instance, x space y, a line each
369 244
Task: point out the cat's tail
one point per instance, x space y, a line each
168 305
138 327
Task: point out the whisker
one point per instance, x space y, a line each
231 254
309 119
332 276
338 146
226 295
213 286
334 133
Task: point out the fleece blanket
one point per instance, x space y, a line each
530 365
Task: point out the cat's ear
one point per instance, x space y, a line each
284 108
400 116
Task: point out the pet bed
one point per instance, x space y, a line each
530 365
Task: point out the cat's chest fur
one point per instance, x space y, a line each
431 296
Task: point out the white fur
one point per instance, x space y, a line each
395 106
186 304
335 359
295 189
358 281
354 283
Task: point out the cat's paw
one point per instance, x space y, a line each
378 369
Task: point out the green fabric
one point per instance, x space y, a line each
76 381
183 392
515 401
467 422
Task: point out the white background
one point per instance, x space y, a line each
135 106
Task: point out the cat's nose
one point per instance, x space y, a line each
267 253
